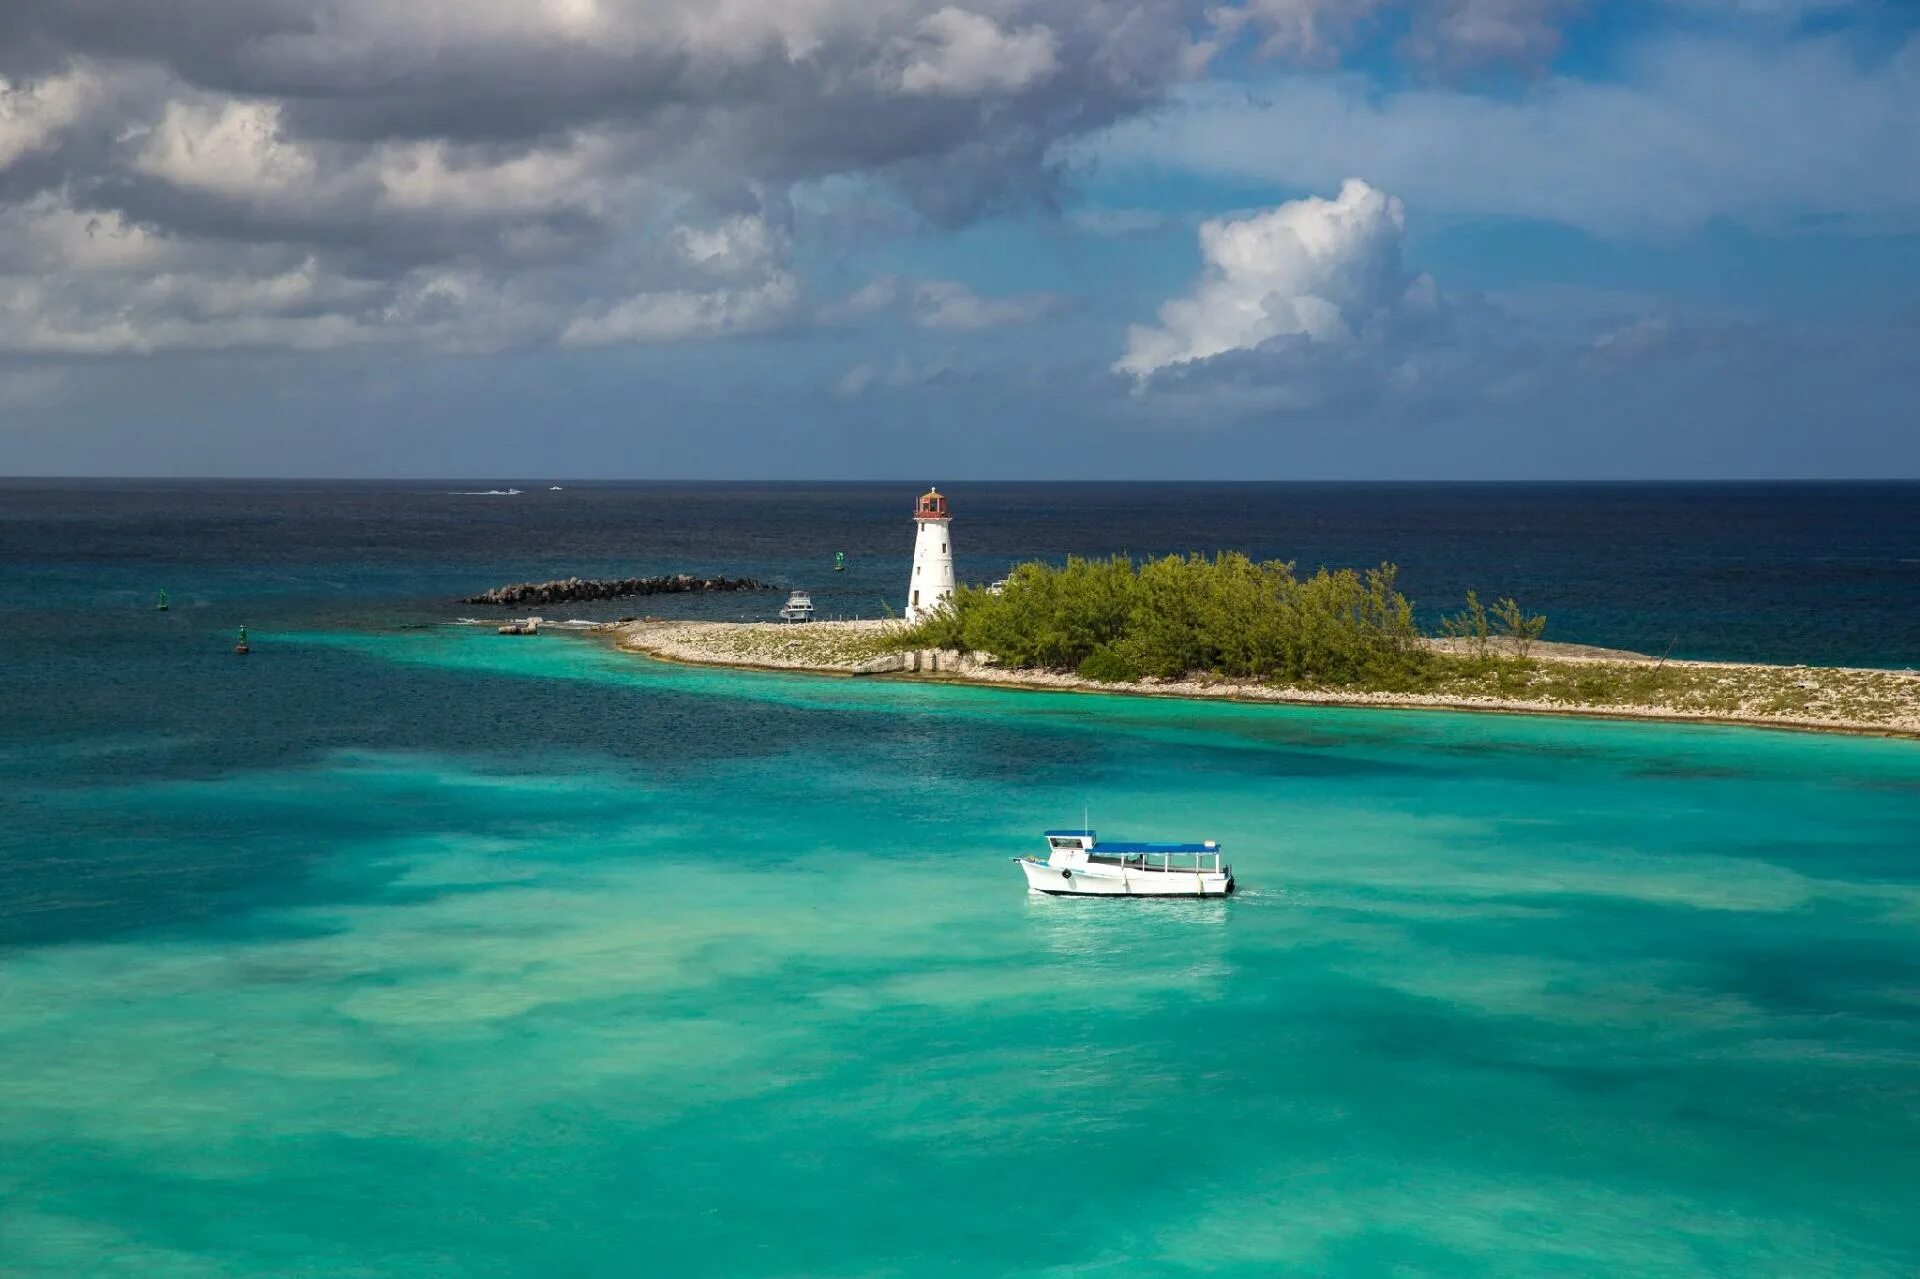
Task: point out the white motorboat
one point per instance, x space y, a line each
1078 864
798 608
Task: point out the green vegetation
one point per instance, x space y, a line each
1229 619
1469 626
1115 620
1473 631
1519 629
1888 698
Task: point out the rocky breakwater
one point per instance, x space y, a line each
576 588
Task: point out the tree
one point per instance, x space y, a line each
1519 628
1470 625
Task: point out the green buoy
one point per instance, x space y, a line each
839 561
241 647
161 607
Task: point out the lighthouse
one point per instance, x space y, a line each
932 581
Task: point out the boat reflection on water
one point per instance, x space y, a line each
1153 944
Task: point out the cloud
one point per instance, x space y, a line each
1121 222
943 304
1309 274
1470 33
1772 10
1639 340
742 261
482 172
1663 335
232 149
470 175
33 116
1310 306
678 314
1450 34
900 372
955 51
1770 135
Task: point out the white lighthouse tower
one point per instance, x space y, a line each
932 580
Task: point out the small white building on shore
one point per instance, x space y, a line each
932 580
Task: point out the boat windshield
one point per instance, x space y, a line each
1166 859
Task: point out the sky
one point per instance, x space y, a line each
1020 239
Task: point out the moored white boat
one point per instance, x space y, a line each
1078 864
798 608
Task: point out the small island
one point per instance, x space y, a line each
1226 626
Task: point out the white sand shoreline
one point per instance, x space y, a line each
1839 699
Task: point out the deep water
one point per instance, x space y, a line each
403 949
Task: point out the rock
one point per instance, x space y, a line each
574 588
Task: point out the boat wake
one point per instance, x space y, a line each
487 493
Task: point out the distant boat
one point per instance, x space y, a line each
798 608
555 489
1079 865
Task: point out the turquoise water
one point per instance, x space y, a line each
531 958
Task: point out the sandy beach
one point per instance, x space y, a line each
1563 679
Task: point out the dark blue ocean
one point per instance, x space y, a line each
399 948
1817 573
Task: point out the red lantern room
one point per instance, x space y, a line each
932 506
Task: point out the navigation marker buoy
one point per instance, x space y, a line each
161 607
241 648
839 561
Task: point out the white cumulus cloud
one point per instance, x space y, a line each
1328 272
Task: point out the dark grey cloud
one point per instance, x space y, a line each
474 173
554 157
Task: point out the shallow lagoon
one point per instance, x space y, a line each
642 969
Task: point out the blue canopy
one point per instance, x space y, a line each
1129 846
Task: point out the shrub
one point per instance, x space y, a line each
1108 665
1470 625
1113 619
1519 628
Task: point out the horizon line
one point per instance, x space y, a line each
868 480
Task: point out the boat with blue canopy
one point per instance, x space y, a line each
1080 864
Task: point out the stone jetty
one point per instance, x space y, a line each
575 588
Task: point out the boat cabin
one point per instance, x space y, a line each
1069 848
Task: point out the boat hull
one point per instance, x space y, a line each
1116 881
